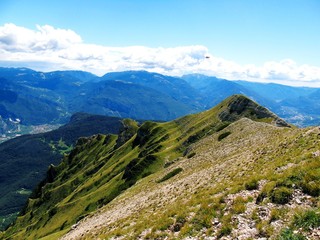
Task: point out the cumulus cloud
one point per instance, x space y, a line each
48 48
19 39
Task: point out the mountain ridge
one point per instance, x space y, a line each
99 171
245 160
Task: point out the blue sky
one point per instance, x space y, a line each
250 36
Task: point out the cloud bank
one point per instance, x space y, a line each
48 48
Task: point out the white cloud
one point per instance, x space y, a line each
48 48
19 39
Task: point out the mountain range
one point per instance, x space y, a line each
50 98
234 171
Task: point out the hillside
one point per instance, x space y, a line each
24 160
246 186
211 163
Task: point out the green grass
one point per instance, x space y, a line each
225 230
276 214
288 234
238 205
252 184
306 220
281 195
302 220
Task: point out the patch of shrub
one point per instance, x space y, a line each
264 229
137 166
281 195
81 217
275 214
194 138
306 220
223 135
265 192
224 231
191 155
180 221
311 188
170 175
251 185
52 212
222 126
63 225
239 205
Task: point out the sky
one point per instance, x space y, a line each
255 40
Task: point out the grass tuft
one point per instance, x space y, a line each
307 220
251 185
281 195
288 234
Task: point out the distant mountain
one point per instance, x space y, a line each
34 78
42 98
295 104
277 92
37 98
127 99
176 88
24 160
215 90
234 171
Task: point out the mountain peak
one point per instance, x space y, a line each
238 106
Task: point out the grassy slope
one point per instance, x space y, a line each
96 172
190 202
